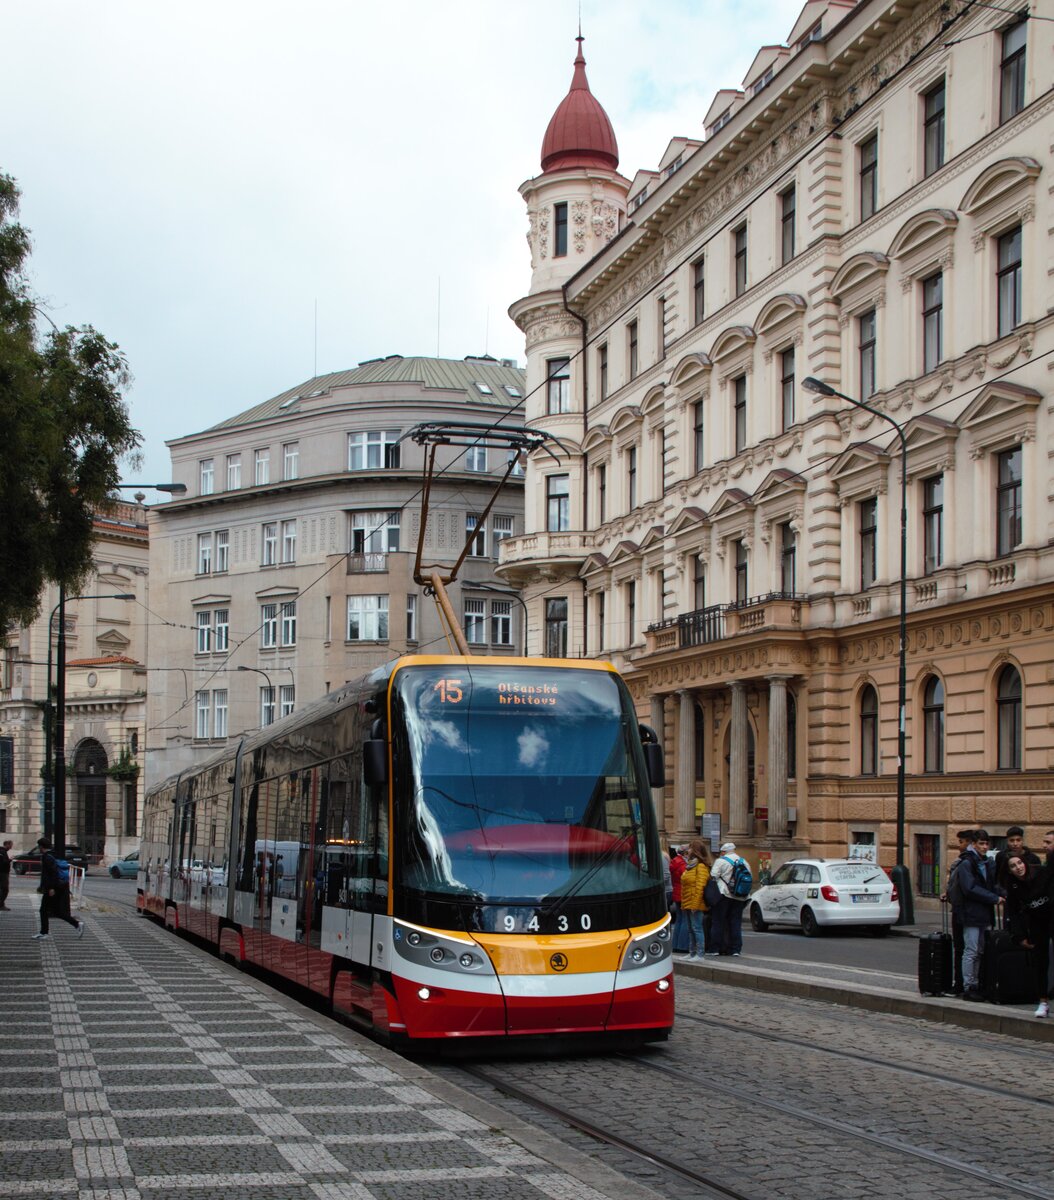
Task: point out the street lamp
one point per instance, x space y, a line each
900 873
270 685
489 587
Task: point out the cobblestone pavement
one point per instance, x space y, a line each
136 1067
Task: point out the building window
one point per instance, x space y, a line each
932 523
516 458
932 322
221 637
476 458
266 706
204 642
868 177
289 623
268 626
788 203
234 472
270 544
558 374
501 622
476 535
1008 501
373 449
868 731
286 699
933 129
739 241
219 713
868 510
475 622
223 549
698 582
698 461
699 290
1008 705
501 528
602 493
787 387
411 617
375 533
933 725
739 412
556 627
558 503
867 328
559 230
631 612
288 541
203 713
602 370
788 560
601 618
367 618
207 476
204 553
661 330
262 466
1008 281
1012 71
631 478
740 566
291 460
631 340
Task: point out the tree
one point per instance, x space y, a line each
64 428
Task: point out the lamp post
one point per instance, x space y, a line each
270 685
900 874
489 587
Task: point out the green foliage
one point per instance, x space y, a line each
64 428
125 767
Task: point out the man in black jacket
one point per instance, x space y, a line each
55 898
965 838
979 894
5 874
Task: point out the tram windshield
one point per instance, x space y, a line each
519 784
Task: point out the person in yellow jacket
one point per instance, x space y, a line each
693 884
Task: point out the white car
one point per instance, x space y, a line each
818 893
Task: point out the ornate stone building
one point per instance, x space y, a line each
871 208
106 649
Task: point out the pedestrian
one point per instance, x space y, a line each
693 883
965 838
667 882
680 924
728 919
5 873
55 898
1015 844
975 895
1028 906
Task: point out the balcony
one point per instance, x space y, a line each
364 564
704 626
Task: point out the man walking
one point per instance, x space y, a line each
5 874
976 894
55 900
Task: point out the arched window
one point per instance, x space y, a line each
933 725
1008 711
869 731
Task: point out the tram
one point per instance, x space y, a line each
448 848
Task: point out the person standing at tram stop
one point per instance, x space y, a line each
974 897
1028 919
693 905
680 923
728 919
965 838
5 874
55 898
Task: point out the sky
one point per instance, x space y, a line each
244 194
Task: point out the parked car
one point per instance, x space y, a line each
818 893
28 863
127 867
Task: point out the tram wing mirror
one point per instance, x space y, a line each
375 762
653 757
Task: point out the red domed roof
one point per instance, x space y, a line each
580 134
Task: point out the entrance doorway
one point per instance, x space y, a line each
89 765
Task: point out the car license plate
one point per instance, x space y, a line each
865 899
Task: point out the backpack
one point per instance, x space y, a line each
741 881
62 870
954 890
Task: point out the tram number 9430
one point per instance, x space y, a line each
563 924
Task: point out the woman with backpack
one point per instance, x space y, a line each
693 885
55 889
734 881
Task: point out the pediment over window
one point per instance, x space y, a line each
688 518
594 563
1005 181
1001 412
112 642
861 469
862 274
917 234
730 341
598 438
625 551
275 593
779 313
731 500
779 484
654 537
931 443
211 598
653 402
625 420
690 370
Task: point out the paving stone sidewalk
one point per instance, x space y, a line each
136 1067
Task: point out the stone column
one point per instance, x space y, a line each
658 795
684 796
777 801
737 762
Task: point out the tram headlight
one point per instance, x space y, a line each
664 933
423 993
655 949
437 954
637 954
467 960
414 939
663 985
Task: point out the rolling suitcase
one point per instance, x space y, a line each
1007 974
935 960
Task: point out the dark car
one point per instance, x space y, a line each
28 863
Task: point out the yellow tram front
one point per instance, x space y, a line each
527 890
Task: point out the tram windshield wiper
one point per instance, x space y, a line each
556 906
